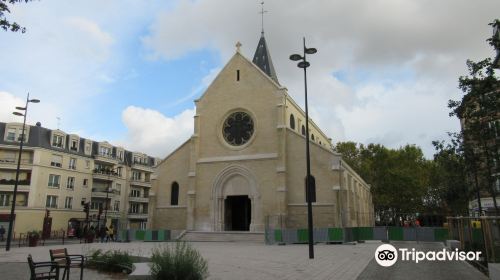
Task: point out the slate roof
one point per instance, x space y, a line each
262 59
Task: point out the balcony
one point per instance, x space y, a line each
108 158
101 193
105 174
11 163
10 188
138 199
142 166
138 215
139 182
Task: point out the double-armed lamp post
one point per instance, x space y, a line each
310 182
13 207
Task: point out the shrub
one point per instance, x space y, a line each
179 261
112 261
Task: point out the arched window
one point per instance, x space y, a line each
312 137
303 130
174 194
292 121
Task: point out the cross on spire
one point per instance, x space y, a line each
262 12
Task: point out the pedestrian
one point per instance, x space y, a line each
112 232
2 233
108 234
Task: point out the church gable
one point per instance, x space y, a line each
240 91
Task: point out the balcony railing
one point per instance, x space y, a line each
24 182
14 161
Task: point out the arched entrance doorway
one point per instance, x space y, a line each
236 203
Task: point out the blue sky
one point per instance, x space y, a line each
128 71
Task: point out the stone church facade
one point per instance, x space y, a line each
244 166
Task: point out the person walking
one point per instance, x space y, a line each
112 233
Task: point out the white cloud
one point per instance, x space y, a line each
402 60
152 132
8 103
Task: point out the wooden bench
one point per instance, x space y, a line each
43 270
67 261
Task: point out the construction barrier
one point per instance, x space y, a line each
333 235
127 235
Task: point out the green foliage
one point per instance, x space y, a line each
398 178
448 190
112 261
479 112
4 23
179 261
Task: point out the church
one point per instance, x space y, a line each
244 167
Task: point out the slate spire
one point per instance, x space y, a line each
262 59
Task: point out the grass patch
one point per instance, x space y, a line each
178 261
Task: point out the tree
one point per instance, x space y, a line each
448 190
4 23
399 178
480 118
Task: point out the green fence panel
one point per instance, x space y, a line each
148 235
278 235
303 236
139 235
335 234
364 233
440 234
477 235
395 233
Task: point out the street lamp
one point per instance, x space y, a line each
310 182
13 208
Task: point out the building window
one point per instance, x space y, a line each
11 134
74 145
136 175
68 202
292 121
87 164
96 205
303 130
312 137
58 141
120 155
85 182
238 128
71 183
51 201
56 161
134 208
72 163
174 194
116 206
4 199
135 193
54 180
105 151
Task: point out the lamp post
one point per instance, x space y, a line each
13 208
310 182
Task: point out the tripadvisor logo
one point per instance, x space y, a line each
387 255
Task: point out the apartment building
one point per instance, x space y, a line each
60 172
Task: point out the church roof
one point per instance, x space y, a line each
262 59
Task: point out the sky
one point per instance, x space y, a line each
127 71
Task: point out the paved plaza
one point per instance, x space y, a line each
259 261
